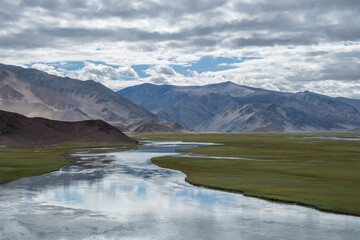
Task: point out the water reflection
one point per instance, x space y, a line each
116 195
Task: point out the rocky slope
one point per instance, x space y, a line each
228 107
37 94
148 125
19 131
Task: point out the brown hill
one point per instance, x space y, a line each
19 131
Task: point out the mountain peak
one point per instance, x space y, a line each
227 83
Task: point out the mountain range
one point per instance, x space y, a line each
223 107
228 107
34 93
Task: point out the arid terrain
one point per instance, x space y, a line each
19 131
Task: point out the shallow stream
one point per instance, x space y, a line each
109 194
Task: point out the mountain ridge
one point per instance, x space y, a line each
228 107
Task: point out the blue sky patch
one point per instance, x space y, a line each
350 43
210 64
205 64
140 70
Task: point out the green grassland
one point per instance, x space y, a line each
18 163
321 173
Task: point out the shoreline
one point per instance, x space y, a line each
280 201
290 202
63 153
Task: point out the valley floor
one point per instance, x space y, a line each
320 173
17 163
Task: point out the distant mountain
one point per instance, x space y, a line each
18 131
149 125
228 107
37 94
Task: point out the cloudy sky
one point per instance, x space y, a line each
285 45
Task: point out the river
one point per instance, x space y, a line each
111 194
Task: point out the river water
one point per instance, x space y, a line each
111 194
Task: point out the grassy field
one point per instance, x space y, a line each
18 163
324 174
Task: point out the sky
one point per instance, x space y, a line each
282 45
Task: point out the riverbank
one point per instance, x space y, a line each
17 163
319 173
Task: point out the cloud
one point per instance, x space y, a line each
101 72
166 33
161 69
128 71
200 23
161 74
47 68
111 76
